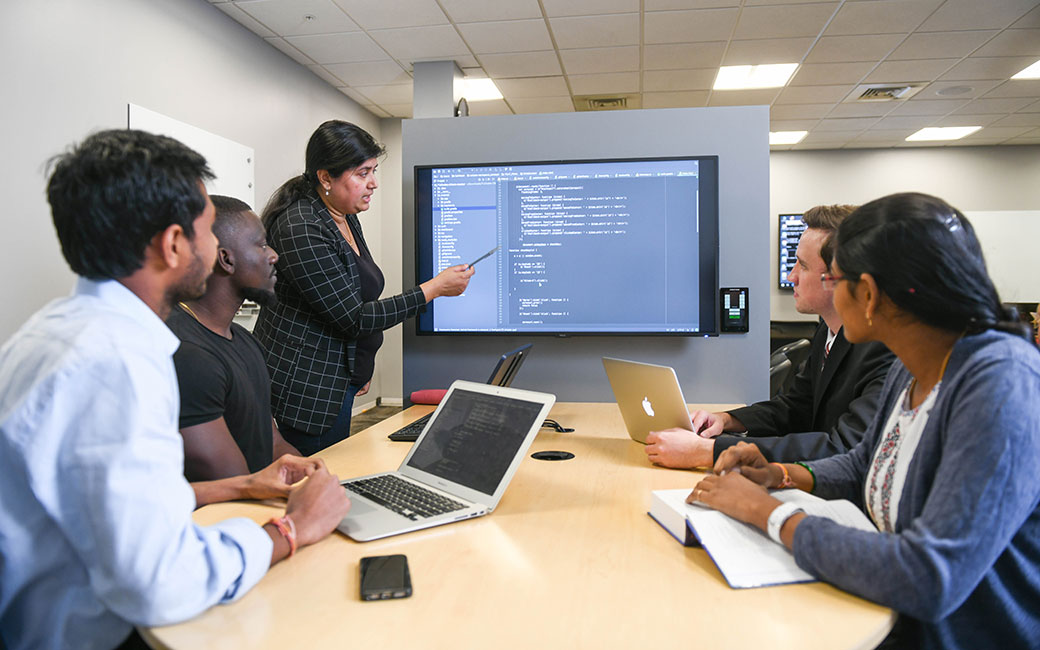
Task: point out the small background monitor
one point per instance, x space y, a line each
790 231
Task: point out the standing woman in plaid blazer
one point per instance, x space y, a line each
322 335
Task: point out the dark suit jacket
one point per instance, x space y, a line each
310 335
827 408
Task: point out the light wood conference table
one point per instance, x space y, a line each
569 559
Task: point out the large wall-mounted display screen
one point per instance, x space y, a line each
790 232
619 246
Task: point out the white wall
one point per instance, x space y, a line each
70 68
969 178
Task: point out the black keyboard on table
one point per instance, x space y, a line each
403 497
410 432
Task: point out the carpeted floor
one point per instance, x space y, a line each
372 416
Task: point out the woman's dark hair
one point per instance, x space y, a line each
335 146
923 253
112 194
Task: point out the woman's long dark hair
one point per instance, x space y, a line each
335 146
923 253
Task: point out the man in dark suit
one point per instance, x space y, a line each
832 398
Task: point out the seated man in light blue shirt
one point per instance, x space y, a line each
96 532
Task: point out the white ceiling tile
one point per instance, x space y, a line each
684 99
521 64
415 43
784 21
588 7
470 11
805 146
864 47
973 14
464 61
355 95
799 111
683 55
967 120
977 89
754 3
542 105
1032 108
506 36
832 136
882 17
383 95
756 97
822 74
601 59
325 75
1022 140
1030 21
908 71
880 135
906 121
399 110
688 26
603 84
396 14
665 80
532 87
288 17
490 107
339 48
1021 119
792 125
814 94
769 50
1017 88
931 107
999 132
375 110
846 124
1012 42
595 31
978 67
370 73
669 5
994 105
940 45
290 51
245 19
862 109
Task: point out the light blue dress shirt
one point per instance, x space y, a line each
96 531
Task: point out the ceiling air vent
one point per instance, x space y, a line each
605 102
883 92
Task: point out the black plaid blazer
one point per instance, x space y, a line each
310 334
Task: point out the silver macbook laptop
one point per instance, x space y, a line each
458 468
649 397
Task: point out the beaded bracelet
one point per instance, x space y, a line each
811 473
287 528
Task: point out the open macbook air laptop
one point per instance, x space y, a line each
649 397
458 468
503 374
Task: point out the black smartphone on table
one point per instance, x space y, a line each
384 577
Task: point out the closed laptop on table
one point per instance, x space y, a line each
649 397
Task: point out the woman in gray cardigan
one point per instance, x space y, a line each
949 467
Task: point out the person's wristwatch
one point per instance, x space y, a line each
776 520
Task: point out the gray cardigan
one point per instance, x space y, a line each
964 562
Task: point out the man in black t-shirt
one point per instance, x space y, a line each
225 416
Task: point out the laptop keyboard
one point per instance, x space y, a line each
410 432
403 497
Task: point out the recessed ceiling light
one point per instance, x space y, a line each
786 137
479 90
1032 72
943 133
742 77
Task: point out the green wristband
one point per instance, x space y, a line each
811 473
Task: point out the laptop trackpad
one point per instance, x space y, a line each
360 507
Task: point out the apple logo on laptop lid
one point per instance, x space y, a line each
648 407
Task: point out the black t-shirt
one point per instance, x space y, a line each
367 344
224 378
